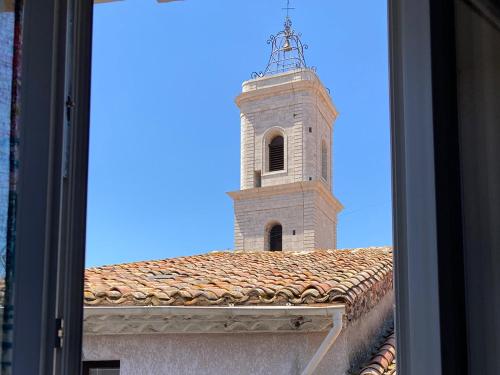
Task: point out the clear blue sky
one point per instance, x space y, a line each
165 142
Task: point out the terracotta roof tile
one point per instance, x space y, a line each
355 277
384 360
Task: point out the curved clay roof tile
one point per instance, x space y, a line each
355 277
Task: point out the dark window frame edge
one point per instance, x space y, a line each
417 316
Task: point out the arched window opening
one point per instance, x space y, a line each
276 238
324 161
277 154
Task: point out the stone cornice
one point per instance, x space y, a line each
271 86
295 187
180 319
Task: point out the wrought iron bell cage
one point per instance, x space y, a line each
287 52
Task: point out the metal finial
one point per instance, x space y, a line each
287 50
288 9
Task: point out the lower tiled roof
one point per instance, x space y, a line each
356 277
384 360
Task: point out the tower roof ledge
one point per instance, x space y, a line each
290 81
300 186
303 72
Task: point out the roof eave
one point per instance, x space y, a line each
122 320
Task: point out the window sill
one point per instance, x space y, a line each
275 173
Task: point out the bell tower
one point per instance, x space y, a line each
287 118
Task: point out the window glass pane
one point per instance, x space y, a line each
101 368
6 49
10 44
104 371
6 56
178 119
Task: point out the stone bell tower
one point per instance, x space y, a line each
287 117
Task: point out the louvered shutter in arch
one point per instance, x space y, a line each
277 154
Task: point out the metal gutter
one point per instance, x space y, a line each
325 345
216 310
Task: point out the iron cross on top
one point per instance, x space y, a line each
288 9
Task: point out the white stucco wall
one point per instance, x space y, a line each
235 353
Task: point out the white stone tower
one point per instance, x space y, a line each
287 117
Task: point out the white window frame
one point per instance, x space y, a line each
268 135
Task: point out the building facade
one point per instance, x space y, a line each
245 313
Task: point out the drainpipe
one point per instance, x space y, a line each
325 345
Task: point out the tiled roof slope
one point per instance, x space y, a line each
357 277
384 360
